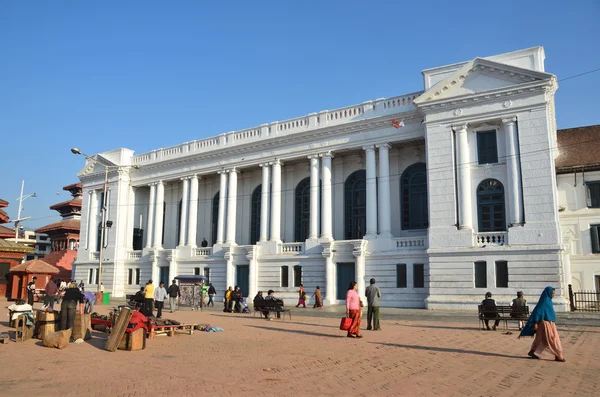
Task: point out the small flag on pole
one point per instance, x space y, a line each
397 124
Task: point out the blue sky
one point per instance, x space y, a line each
150 74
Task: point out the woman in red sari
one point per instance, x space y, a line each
353 310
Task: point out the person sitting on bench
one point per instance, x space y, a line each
520 304
489 307
275 301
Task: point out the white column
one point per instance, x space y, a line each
193 217
222 203
314 197
159 216
264 203
91 218
465 220
327 210
360 274
371 192
253 273
276 202
513 171
385 213
231 206
184 207
151 209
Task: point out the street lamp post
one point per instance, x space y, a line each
104 208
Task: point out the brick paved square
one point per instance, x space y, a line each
307 356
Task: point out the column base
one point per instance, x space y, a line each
370 236
385 235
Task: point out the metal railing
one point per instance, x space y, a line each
584 301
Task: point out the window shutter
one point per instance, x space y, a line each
595 238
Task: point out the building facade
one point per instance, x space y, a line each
578 182
441 195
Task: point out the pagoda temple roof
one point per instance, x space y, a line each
74 202
3 216
6 232
10 246
66 224
35 266
3 203
73 186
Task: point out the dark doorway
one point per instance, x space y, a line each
345 275
163 275
242 278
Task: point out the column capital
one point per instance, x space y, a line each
160 183
509 120
327 154
267 164
277 162
195 176
313 157
222 172
368 148
385 146
233 170
460 127
152 184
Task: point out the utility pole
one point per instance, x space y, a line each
19 219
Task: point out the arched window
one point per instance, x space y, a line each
355 205
255 215
302 210
490 206
413 195
215 217
179 221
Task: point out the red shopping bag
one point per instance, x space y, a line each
345 323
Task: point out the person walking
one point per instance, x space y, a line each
72 303
31 291
174 294
148 297
301 297
353 310
373 293
318 299
489 307
542 325
159 299
51 292
520 304
212 292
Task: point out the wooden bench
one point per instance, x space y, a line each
502 313
271 306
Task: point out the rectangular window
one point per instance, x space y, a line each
481 274
207 272
91 276
487 149
501 274
138 276
130 277
285 276
297 275
138 239
401 275
196 271
595 232
593 194
418 275
97 273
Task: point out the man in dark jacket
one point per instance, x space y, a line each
70 305
31 291
489 307
174 294
236 296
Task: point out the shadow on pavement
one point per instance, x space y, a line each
293 331
447 350
441 326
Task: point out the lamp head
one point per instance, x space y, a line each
135 166
34 195
74 150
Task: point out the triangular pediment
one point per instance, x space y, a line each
95 164
478 76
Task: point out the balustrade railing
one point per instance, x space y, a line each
369 109
205 251
491 238
134 254
291 248
411 242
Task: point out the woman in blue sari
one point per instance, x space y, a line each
542 325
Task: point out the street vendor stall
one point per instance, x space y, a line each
190 288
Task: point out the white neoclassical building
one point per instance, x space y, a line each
440 195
